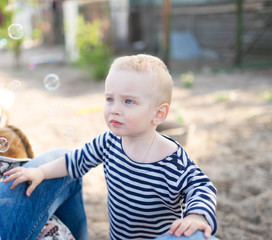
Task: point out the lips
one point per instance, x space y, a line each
115 123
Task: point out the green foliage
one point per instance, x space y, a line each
267 95
7 19
224 96
94 55
180 119
180 114
37 33
187 79
7 16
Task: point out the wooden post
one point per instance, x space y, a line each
239 34
166 23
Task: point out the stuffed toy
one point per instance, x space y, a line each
19 146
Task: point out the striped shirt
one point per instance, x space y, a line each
145 198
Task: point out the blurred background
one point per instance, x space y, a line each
197 33
55 55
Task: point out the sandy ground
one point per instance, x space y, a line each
229 127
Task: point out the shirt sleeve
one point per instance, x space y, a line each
80 161
199 192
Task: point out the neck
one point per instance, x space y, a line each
139 148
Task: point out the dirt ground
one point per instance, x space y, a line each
228 120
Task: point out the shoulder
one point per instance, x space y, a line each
166 146
110 138
177 155
106 140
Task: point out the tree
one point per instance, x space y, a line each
6 16
94 54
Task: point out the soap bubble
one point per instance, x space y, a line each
54 109
4 144
69 133
3 43
51 82
31 66
15 31
6 98
15 85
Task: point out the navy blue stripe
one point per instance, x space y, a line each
171 197
211 215
87 161
69 165
135 172
146 166
129 183
104 145
143 223
143 182
88 149
115 234
143 203
196 202
95 142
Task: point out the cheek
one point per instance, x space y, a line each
106 112
141 116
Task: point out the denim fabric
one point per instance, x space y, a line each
196 236
23 217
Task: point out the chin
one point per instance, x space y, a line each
117 133
120 133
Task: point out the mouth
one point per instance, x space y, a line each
115 123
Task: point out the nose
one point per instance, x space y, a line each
115 109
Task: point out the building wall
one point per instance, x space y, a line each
213 27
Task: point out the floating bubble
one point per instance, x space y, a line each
15 31
54 109
4 144
6 98
3 43
69 133
15 85
31 66
51 82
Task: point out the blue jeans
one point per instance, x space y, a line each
23 217
196 236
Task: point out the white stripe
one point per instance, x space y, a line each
141 171
151 224
136 205
146 190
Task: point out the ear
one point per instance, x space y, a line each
160 114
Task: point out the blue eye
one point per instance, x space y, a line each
128 101
109 99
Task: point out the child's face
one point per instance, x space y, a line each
130 102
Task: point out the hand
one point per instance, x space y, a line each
34 176
190 224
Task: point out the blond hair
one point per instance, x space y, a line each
144 63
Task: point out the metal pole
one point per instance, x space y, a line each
239 34
166 23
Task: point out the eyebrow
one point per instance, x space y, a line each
123 96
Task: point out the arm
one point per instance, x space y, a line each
34 176
200 197
55 169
